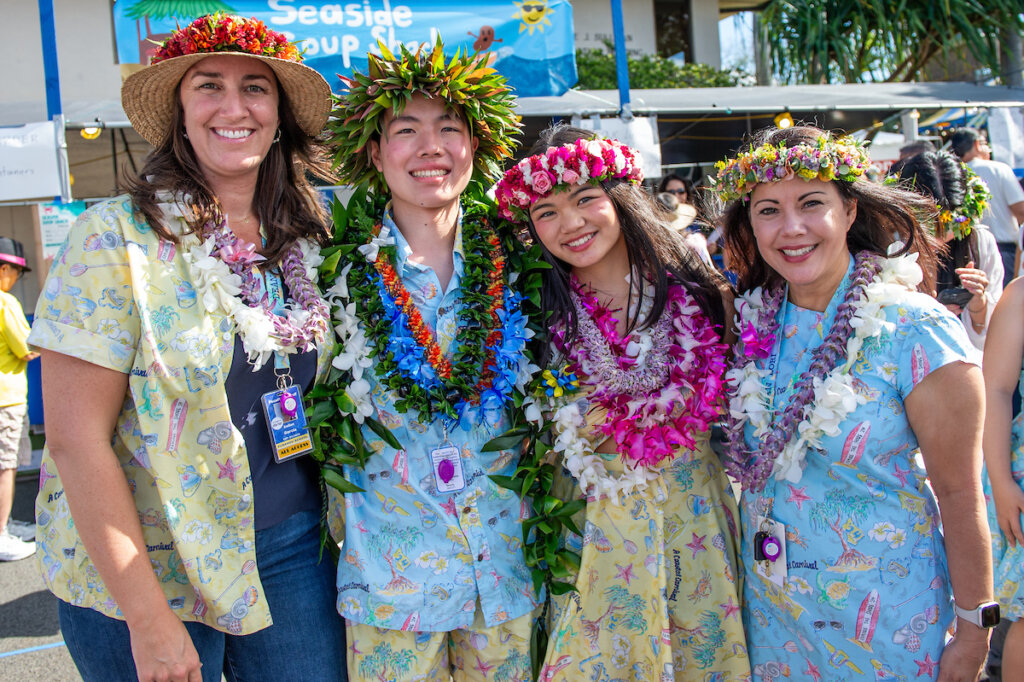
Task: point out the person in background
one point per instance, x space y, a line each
1005 211
843 374
970 276
179 511
15 449
680 222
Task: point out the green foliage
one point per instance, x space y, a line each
829 41
596 70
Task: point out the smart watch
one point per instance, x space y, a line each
985 615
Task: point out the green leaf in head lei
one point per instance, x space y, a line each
466 82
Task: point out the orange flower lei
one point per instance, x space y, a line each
422 333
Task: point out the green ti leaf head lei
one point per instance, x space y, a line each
465 81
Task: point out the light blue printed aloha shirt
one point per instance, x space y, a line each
414 558
867 594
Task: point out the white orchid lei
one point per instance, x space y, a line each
822 400
209 253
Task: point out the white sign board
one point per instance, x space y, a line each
640 133
28 162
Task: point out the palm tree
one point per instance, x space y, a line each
386 664
823 41
384 544
833 512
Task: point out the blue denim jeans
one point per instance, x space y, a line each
306 641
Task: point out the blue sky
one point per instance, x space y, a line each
735 34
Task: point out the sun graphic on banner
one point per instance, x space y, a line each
534 15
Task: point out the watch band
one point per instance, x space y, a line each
985 615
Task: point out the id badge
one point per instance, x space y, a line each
772 538
448 474
286 423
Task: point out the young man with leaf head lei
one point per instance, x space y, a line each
431 361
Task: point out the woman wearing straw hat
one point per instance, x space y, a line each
179 511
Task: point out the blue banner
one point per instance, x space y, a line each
532 40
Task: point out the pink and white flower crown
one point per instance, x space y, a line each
579 163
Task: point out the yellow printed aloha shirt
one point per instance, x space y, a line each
120 297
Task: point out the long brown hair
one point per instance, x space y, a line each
885 214
286 202
653 249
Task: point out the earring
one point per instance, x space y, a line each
184 133
277 137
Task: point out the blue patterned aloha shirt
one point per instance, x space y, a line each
414 558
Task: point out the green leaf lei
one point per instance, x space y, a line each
336 431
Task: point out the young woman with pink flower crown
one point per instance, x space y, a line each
842 375
634 380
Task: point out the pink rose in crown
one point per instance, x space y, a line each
542 182
570 177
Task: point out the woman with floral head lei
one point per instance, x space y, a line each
969 280
432 361
633 382
180 325
842 374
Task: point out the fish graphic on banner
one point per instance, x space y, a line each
532 41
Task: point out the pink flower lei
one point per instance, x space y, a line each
242 262
656 406
579 163
753 467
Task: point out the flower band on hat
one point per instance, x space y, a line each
827 159
227 33
582 162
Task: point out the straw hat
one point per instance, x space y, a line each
149 96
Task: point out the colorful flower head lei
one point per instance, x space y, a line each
465 81
826 159
227 33
579 163
968 214
962 219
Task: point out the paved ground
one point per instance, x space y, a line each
31 647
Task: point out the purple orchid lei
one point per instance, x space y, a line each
655 407
242 262
753 467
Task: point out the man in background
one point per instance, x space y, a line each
15 536
1005 212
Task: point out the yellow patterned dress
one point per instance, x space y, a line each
658 592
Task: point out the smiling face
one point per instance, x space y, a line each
425 155
230 107
579 225
800 227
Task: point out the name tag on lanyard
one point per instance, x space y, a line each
282 409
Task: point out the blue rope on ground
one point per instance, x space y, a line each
30 649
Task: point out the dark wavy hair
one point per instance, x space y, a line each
285 202
940 177
884 214
653 250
